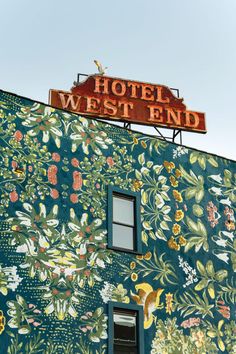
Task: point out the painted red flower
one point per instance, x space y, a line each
75 162
56 157
14 164
18 135
74 198
54 193
52 174
110 161
13 196
77 180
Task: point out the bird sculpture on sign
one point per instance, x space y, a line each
101 69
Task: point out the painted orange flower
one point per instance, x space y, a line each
169 166
177 195
178 173
173 181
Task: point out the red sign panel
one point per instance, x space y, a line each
129 101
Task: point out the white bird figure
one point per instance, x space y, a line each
101 70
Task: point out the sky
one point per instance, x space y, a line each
186 44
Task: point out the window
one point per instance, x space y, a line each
125 329
124 220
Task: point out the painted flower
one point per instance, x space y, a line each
75 162
134 277
132 265
89 135
179 215
56 157
169 303
9 279
176 228
77 180
137 185
2 322
54 193
169 166
42 120
177 195
198 338
74 198
18 135
13 196
110 161
173 181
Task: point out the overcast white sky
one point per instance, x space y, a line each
187 44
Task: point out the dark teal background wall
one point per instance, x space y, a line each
56 274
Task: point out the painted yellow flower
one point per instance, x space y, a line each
139 257
177 195
148 256
169 303
137 185
135 140
182 241
2 322
198 338
173 181
176 229
132 265
134 276
172 244
179 214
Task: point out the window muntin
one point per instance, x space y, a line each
124 220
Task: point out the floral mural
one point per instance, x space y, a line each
57 275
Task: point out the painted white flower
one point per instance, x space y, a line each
216 178
223 256
228 234
221 242
226 202
216 190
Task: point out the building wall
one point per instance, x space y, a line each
56 274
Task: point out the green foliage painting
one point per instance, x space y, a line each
57 275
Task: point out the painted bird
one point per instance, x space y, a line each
149 299
101 70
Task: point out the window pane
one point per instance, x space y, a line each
125 328
123 210
123 236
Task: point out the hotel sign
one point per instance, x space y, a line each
128 101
